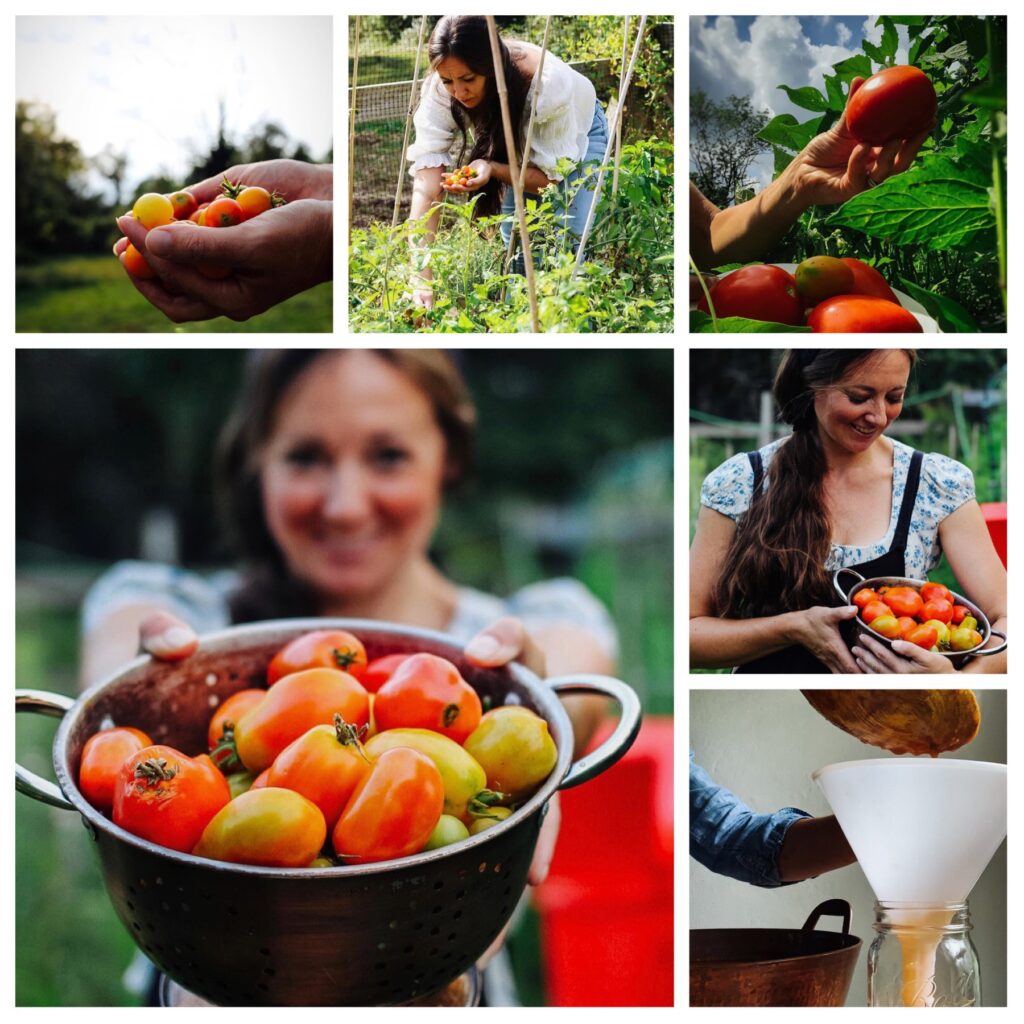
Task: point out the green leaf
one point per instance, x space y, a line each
808 97
785 131
890 39
858 64
701 323
951 316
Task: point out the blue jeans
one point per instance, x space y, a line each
581 203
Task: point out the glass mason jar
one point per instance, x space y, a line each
923 956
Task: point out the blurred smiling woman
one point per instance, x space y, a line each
775 524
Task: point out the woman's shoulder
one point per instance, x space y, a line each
729 486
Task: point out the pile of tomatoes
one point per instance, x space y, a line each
460 176
238 203
927 616
338 761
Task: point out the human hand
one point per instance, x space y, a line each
423 297
834 166
483 175
904 657
166 637
817 629
293 179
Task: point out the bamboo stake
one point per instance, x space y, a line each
621 102
408 123
513 168
352 126
608 151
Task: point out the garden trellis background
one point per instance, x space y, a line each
387 57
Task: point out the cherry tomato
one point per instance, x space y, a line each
903 601
873 609
887 625
393 811
223 213
514 748
324 764
862 314
965 639
254 200
102 757
924 636
184 203
167 797
960 612
894 103
491 817
940 628
758 293
267 827
293 706
321 648
461 773
380 670
907 626
865 597
153 209
937 608
932 590
868 281
136 265
427 692
821 277
230 712
448 830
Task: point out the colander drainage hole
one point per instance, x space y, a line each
130 905
482 868
451 936
382 945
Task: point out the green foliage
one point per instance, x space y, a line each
724 140
625 285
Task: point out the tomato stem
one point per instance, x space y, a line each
225 754
154 771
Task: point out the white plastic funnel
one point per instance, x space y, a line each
923 828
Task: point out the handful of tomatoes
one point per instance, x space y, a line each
460 176
338 761
927 616
236 204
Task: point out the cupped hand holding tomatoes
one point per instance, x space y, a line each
461 181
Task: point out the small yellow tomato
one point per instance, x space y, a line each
153 209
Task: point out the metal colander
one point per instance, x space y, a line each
367 934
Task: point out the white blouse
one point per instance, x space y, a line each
565 113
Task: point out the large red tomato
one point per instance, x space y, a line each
757 293
862 314
894 103
868 281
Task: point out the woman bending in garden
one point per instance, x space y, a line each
460 95
775 524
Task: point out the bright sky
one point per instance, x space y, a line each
752 56
151 87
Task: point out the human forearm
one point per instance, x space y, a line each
724 643
811 847
535 179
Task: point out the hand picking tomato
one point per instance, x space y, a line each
868 281
136 265
230 712
894 103
427 692
514 747
153 209
321 648
393 811
380 670
324 764
102 757
184 204
820 277
167 797
267 827
293 706
766 293
463 777
862 314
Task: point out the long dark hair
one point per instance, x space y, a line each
465 37
268 590
776 561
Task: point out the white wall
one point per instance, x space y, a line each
763 745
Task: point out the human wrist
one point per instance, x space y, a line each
791 626
787 194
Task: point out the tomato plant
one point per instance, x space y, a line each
427 692
327 648
267 827
393 810
136 265
862 314
153 209
761 292
894 103
821 277
102 757
167 797
515 749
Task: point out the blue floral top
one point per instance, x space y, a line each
945 485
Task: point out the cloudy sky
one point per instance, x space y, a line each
752 56
151 87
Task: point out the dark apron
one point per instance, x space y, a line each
797 659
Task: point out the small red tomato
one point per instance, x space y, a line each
184 204
380 670
907 626
223 213
932 590
959 613
427 692
102 757
321 648
254 200
937 608
136 265
864 597
873 609
230 712
924 636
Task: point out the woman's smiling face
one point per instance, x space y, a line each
854 412
462 82
352 475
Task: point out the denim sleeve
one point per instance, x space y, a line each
728 838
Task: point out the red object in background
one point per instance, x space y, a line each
606 908
995 519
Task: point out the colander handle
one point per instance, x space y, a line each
998 649
56 705
621 738
845 594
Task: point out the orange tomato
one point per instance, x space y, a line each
924 636
254 200
865 597
153 209
184 204
100 765
937 608
907 626
392 811
380 670
887 625
230 712
873 609
223 213
321 648
932 590
136 265
903 601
